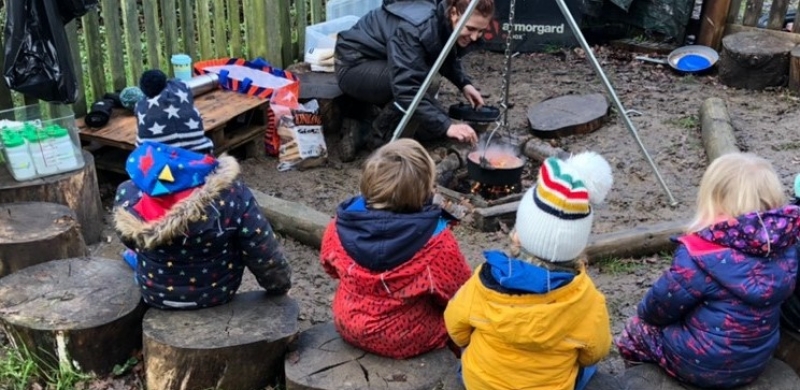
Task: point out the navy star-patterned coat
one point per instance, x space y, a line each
192 246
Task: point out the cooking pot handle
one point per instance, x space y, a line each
653 60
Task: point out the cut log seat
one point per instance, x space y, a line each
80 313
323 361
238 345
778 376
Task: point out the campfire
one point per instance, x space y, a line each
490 192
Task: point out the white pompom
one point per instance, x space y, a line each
595 172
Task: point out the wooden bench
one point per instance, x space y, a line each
231 120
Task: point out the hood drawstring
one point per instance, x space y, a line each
766 232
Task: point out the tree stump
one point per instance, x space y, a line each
600 381
789 349
77 190
238 345
84 313
794 70
323 361
36 232
754 60
778 376
568 115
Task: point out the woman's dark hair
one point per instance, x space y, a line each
484 7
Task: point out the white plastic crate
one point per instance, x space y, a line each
337 8
322 36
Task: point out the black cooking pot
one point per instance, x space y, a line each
502 169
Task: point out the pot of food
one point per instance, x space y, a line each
495 167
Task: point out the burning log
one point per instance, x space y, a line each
539 150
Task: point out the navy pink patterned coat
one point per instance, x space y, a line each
719 303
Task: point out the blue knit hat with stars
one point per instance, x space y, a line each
167 114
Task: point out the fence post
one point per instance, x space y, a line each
111 22
302 22
151 31
5 94
777 13
220 34
79 107
187 25
712 23
169 21
204 28
752 12
235 26
316 11
91 33
134 39
273 33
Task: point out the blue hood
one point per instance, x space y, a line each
381 240
159 169
514 276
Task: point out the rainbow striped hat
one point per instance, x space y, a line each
554 218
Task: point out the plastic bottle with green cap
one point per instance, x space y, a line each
63 148
18 157
42 151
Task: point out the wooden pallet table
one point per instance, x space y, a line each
231 120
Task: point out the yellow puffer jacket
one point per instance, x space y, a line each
528 341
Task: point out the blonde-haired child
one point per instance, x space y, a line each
536 320
397 260
712 319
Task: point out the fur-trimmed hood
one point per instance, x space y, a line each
148 234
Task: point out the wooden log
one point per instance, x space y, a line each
778 376
446 169
299 221
539 150
80 313
794 70
323 361
731 29
238 345
716 130
568 115
754 60
37 232
638 241
789 349
712 23
77 190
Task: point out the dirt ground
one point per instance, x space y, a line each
765 124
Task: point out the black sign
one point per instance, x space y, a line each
538 26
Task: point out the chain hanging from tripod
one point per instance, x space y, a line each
502 120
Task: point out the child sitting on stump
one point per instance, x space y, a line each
712 319
535 320
194 226
397 260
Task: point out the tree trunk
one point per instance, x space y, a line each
238 345
37 232
754 60
716 129
77 190
778 376
323 361
80 312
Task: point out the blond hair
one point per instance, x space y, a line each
736 184
398 177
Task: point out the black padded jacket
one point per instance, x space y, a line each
409 35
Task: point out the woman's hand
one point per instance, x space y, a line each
462 133
473 96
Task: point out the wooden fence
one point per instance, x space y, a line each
113 45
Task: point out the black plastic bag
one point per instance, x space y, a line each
71 9
38 61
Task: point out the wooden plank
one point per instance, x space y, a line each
170 27
216 108
791 37
91 33
235 26
220 29
301 22
6 101
133 36
259 26
752 12
734 10
796 24
317 11
287 46
114 48
777 14
204 28
274 38
187 20
712 23
152 34
79 107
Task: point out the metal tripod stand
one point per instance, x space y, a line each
407 112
